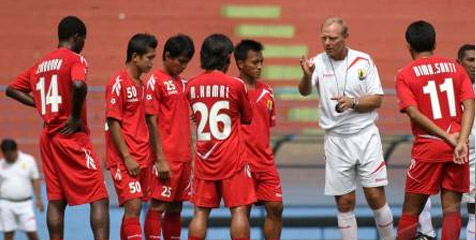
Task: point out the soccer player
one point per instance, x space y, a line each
350 92
249 59
432 91
127 135
168 119
219 105
57 83
466 59
18 175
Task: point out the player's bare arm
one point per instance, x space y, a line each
20 96
37 190
118 139
461 149
424 122
305 85
73 124
163 168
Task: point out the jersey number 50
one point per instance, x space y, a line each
213 118
52 97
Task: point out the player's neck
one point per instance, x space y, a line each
165 70
133 72
418 55
250 82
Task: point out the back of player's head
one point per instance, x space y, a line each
337 20
421 36
139 44
179 45
8 145
69 27
462 50
241 50
216 52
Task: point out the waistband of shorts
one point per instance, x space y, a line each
16 200
363 130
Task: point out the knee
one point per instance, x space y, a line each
346 204
274 209
132 208
174 207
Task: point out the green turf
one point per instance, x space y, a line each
273 31
282 72
250 11
284 51
304 114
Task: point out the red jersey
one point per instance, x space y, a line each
437 86
220 104
257 135
50 82
125 103
166 98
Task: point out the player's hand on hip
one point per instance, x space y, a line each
461 153
163 169
39 205
307 66
344 102
72 125
133 168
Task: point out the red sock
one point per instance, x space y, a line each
193 238
451 226
407 227
172 226
240 239
152 226
131 229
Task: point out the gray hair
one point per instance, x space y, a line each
337 20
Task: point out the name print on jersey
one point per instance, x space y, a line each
210 91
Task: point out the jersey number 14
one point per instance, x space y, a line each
52 97
446 87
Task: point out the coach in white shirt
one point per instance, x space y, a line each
18 173
350 92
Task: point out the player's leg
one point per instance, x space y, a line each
345 217
31 236
99 219
153 219
172 221
450 204
424 221
273 222
131 228
240 225
9 235
382 213
197 229
55 218
470 231
412 207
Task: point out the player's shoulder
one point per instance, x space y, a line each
25 157
357 53
264 86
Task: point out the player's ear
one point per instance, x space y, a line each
240 64
167 55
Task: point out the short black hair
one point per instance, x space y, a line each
69 26
241 50
215 52
8 145
139 44
421 36
462 50
179 45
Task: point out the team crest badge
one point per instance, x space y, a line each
362 74
269 105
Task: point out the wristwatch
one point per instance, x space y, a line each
355 102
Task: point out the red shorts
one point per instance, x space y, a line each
268 185
175 189
72 170
428 178
130 187
236 191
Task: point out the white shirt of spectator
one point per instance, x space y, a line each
329 79
15 178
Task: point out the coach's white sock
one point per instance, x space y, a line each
384 221
470 228
347 225
424 220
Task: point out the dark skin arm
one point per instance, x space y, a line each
37 191
73 124
133 168
461 149
163 167
20 96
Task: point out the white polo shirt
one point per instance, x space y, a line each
15 178
329 77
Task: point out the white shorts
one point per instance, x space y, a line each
17 216
354 157
469 197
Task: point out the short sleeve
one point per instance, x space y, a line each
79 69
22 82
467 91
245 105
272 116
152 97
35 173
374 86
114 99
405 95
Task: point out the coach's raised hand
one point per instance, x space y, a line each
305 85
